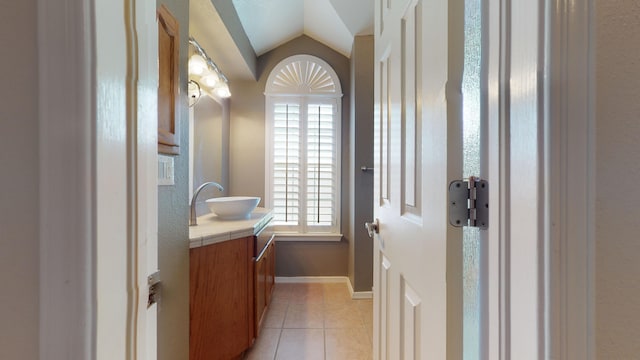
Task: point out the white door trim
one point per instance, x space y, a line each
570 193
526 178
557 236
67 207
493 168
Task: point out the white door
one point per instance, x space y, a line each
413 167
126 76
432 294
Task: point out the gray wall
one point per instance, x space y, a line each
246 156
19 179
361 153
246 139
173 215
617 168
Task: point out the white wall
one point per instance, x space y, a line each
618 171
19 246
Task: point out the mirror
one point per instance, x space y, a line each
208 148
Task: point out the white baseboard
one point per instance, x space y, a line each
312 279
362 295
326 280
359 295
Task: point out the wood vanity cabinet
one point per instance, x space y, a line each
221 304
230 286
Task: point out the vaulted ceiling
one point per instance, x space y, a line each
266 24
269 23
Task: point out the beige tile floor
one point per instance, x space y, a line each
314 321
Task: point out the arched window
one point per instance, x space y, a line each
303 110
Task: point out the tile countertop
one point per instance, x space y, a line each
211 230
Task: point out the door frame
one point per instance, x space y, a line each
570 160
68 121
565 79
67 117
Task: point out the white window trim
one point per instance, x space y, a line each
304 95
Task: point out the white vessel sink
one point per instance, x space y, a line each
233 207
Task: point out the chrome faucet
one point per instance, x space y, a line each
192 214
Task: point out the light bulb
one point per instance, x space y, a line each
210 80
197 65
222 90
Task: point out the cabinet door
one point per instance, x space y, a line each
168 82
264 280
270 271
260 300
221 299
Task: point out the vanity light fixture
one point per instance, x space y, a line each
206 73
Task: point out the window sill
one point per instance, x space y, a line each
308 237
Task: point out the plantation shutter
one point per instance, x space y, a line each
303 147
286 163
321 165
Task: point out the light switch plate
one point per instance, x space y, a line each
165 170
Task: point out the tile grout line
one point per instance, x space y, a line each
324 324
275 353
286 310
